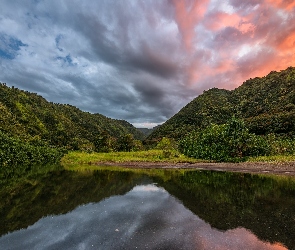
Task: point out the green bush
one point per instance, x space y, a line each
17 157
166 144
229 142
281 145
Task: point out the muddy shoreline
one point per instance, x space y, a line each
282 168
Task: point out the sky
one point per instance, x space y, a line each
141 60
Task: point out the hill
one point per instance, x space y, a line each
30 117
266 104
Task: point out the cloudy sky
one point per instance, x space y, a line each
141 60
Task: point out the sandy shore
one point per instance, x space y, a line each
283 168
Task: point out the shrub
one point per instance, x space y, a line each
229 142
17 157
166 144
137 145
280 145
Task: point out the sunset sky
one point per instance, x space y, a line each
141 60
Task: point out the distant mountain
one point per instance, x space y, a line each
137 133
267 105
146 131
31 117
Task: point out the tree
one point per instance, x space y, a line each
125 143
102 143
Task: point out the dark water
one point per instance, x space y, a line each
156 209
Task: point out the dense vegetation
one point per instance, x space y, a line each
266 104
233 142
17 157
228 142
30 117
36 132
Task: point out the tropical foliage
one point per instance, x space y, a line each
18 157
28 115
266 104
229 142
34 132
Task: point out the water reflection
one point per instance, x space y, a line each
123 209
146 217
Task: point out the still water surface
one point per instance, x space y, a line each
111 209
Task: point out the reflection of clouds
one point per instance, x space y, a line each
148 188
147 217
238 238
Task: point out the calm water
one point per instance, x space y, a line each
156 209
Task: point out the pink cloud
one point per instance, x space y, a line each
238 44
187 17
218 20
284 4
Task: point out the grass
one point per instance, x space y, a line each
78 158
81 160
272 158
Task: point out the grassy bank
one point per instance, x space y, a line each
76 158
272 158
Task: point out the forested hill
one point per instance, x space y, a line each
30 117
267 105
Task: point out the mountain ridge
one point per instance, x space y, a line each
266 104
31 117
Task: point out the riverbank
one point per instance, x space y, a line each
156 159
282 168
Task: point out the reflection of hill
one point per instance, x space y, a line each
264 205
57 193
146 217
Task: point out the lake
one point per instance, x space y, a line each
114 208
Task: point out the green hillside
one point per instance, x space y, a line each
30 117
266 104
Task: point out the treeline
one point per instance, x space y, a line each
232 142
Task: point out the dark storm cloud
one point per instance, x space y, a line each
151 61
150 93
141 60
96 50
